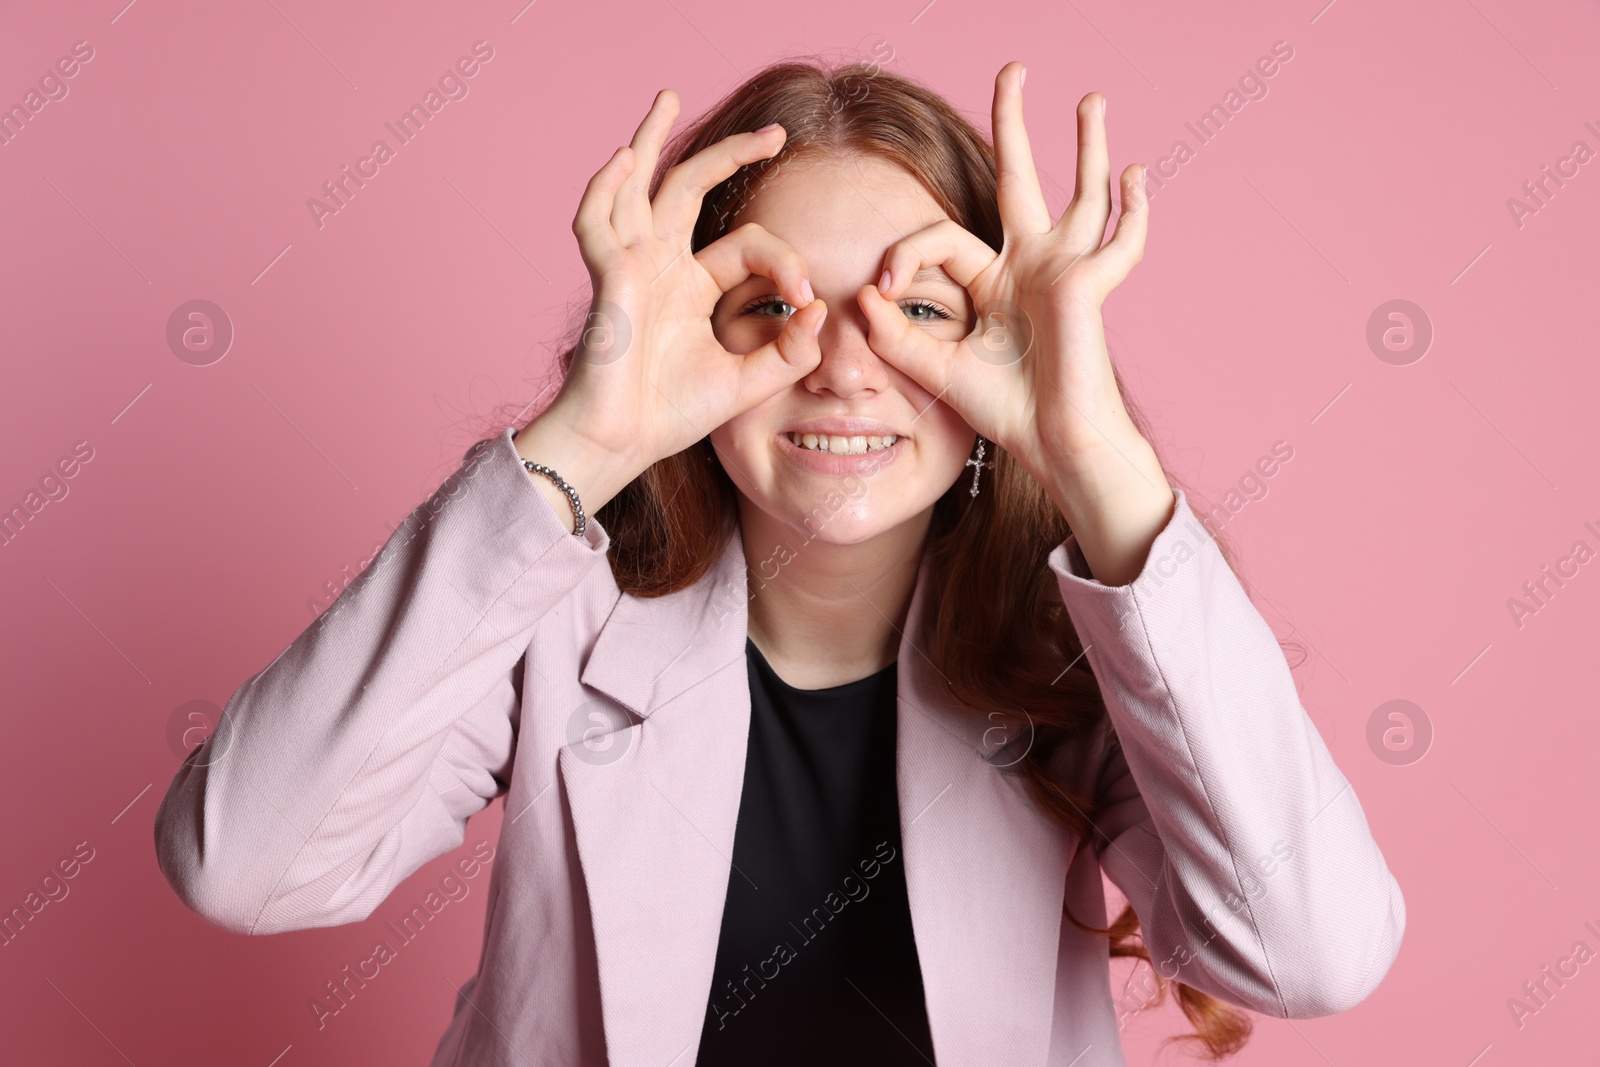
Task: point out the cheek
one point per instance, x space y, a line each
725 441
946 438
742 436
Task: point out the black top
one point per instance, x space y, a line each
816 962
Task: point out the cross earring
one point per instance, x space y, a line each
977 464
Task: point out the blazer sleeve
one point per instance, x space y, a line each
359 753
1223 819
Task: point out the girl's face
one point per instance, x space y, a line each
841 215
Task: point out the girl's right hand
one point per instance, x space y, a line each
650 378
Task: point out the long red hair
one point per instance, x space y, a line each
991 585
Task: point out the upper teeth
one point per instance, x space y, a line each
841 445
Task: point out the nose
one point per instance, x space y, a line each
849 366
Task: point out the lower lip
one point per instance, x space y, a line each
864 463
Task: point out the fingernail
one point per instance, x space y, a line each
1103 107
1022 79
768 126
805 290
885 282
817 327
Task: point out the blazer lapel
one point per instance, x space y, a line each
655 805
655 809
985 868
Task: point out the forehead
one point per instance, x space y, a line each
842 209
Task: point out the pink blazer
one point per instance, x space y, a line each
487 651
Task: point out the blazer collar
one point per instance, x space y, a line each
653 649
655 810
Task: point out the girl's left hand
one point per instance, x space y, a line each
1034 376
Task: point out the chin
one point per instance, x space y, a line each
830 524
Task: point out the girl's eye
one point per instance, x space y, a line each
916 310
934 311
766 302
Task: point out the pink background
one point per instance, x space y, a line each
368 353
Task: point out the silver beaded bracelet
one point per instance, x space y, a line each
572 494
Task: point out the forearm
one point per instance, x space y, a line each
1234 834
1117 499
312 798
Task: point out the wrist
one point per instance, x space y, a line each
595 472
1116 498
1083 479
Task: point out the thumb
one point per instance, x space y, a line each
897 339
782 362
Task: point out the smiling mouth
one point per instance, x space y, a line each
841 444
